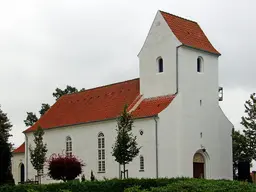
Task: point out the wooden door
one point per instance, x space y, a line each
198 170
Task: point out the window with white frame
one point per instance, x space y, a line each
101 153
141 163
68 146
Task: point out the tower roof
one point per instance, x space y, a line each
188 32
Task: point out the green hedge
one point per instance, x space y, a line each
143 185
113 185
196 185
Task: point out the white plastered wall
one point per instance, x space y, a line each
84 143
202 117
17 160
160 42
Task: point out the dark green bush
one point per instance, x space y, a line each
196 185
148 185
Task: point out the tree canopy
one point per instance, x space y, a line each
38 154
125 147
241 150
64 167
68 90
249 123
5 126
5 149
32 118
45 107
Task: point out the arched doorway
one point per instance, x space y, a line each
198 166
22 173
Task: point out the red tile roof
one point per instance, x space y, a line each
189 33
20 149
95 104
133 104
152 106
99 104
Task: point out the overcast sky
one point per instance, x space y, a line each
48 44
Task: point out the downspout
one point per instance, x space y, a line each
177 86
156 139
177 69
26 155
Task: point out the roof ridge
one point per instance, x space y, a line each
111 84
188 32
178 16
160 96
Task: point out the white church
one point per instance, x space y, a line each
175 104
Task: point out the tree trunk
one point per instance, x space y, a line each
124 171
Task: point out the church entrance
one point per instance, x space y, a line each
22 173
198 166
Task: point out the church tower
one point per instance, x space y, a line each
177 57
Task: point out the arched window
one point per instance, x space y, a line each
68 146
101 153
22 172
141 163
200 65
160 65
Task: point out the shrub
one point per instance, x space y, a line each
194 185
138 185
92 176
83 178
63 167
112 185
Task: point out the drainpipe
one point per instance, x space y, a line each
26 155
177 81
177 69
156 139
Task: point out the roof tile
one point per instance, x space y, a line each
99 104
152 106
90 105
20 149
188 32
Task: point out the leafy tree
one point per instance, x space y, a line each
5 149
125 147
5 163
241 151
249 123
5 126
38 154
69 89
45 107
64 167
31 119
